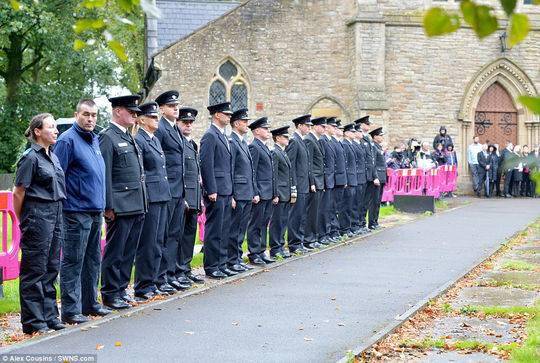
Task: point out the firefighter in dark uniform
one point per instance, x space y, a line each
340 177
367 143
244 195
301 177
285 191
217 182
316 164
360 153
172 144
327 199
265 189
379 179
38 194
150 247
346 213
193 195
125 201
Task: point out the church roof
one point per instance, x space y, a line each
180 18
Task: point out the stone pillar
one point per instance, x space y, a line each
369 41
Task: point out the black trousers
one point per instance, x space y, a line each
366 202
345 214
187 244
216 233
123 234
357 222
238 228
173 237
497 184
278 225
257 231
375 204
312 220
41 236
325 216
508 182
150 248
297 222
81 262
337 205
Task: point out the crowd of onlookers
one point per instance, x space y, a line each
495 171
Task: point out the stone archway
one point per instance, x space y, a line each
515 83
328 106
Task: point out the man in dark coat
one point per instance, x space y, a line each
217 182
340 175
244 196
379 178
369 193
150 247
506 168
442 138
483 170
264 188
301 179
316 164
360 153
327 198
346 212
125 201
193 195
285 191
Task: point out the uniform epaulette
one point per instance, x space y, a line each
26 151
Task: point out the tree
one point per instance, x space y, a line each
40 71
483 20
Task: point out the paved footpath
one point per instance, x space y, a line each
312 309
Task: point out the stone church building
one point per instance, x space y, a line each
350 58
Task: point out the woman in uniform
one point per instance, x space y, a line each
37 196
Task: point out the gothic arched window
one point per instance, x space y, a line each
229 84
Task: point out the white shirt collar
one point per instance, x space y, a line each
239 136
122 128
314 134
148 133
299 134
172 123
222 130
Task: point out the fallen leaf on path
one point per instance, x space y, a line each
189 332
235 323
308 339
301 328
340 324
118 344
99 347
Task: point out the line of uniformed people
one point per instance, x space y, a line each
317 185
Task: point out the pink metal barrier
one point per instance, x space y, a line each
434 182
390 186
410 182
9 254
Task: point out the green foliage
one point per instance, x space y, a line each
437 21
529 351
509 6
479 17
519 266
519 28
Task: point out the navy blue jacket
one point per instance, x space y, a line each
316 160
368 144
244 174
216 163
360 154
157 184
80 158
380 163
262 164
173 147
192 175
282 174
329 162
340 171
350 163
298 155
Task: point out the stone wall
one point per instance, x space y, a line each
293 52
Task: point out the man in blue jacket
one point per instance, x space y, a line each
80 158
244 196
264 188
217 176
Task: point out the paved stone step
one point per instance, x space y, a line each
452 356
494 296
512 277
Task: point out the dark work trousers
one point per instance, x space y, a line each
497 183
185 251
375 204
356 222
238 228
41 238
337 204
312 219
278 225
149 249
508 182
123 235
297 222
81 262
173 238
368 197
216 233
475 170
257 231
345 213
325 216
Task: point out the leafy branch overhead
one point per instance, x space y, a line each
95 19
484 21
